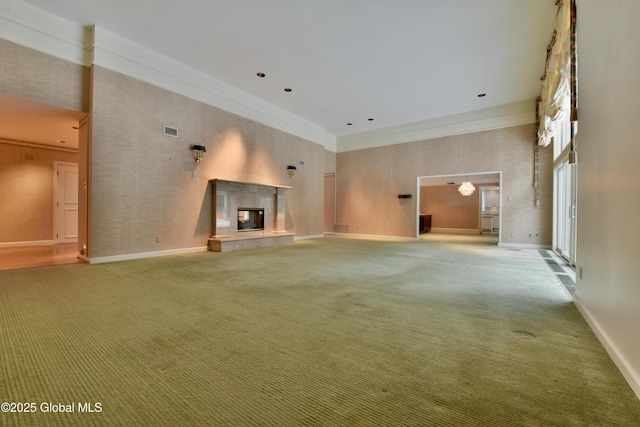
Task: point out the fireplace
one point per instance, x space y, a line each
247 215
250 219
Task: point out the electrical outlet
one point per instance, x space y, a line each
580 272
157 239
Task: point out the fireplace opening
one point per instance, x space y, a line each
250 219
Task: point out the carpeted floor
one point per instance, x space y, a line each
331 332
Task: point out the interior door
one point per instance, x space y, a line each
66 203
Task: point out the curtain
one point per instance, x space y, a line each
557 79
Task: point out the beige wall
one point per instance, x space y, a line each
27 192
146 187
370 180
608 292
448 209
33 75
329 161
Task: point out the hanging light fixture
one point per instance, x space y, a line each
466 188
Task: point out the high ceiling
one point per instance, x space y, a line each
345 61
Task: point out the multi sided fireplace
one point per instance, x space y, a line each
250 219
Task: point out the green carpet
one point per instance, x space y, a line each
330 332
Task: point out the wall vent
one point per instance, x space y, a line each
170 131
29 157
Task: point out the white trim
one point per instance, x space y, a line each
314 236
372 236
116 53
516 114
473 231
140 255
523 246
27 243
29 26
623 365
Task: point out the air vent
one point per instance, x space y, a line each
170 131
29 157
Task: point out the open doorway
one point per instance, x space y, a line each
39 162
451 213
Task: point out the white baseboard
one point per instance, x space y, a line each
100 260
523 246
455 230
623 365
313 236
372 236
28 243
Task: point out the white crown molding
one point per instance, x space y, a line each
516 114
116 53
45 32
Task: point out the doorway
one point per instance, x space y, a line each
451 212
40 153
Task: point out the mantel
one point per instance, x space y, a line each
249 183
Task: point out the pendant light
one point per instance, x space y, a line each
466 188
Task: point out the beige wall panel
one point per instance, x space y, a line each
147 192
369 181
329 161
30 74
448 209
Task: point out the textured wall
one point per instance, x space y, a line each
369 181
146 187
27 192
30 74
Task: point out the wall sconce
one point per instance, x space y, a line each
198 152
291 170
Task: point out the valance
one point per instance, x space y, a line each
557 79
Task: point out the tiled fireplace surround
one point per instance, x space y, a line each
228 197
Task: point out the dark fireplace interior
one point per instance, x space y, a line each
250 219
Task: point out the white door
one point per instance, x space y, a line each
66 202
565 211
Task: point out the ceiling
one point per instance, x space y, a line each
371 63
33 122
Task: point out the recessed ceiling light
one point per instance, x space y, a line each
287 89
481 95
261 74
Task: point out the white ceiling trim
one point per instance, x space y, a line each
516 114
45 32
121 55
